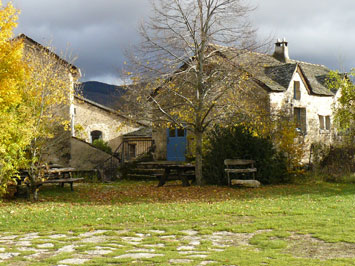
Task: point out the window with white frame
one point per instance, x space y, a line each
324 122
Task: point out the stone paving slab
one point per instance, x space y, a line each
123 245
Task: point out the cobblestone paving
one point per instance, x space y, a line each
80 249
121 246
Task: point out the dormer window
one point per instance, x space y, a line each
296 90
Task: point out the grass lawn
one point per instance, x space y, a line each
309 224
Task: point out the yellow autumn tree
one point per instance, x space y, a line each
14 125
49 91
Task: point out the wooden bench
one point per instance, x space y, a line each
238 166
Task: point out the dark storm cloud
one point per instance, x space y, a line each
98 31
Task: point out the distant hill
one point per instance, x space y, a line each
101 93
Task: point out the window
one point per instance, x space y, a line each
327 122
96 134
172 132
296 90
321 122
176 132
132 150
324 122
181 132
300 119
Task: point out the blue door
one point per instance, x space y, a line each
176 146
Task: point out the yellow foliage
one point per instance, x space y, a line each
14 125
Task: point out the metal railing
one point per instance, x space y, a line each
127 151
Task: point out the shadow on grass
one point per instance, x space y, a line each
133 192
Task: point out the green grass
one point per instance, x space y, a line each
323 210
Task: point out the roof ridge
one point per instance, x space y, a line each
307 63
264 54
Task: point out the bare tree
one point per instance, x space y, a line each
183 75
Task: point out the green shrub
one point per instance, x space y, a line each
239 142
339 164
102 145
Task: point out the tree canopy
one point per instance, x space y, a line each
182 75
14 126
345 106
35 93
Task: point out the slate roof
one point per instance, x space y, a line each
142 132
277 75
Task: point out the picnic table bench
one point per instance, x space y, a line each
238 166
183 171
57 176
62 182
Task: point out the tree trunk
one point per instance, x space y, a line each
198 166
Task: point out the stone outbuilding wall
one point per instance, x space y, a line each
86 156
90 116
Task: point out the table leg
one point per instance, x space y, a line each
184 179
164 177
71 186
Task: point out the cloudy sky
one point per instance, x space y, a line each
98 31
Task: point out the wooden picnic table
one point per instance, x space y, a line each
180 167
57 176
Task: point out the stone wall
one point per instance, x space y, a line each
160 140
85 156
315 105
92 117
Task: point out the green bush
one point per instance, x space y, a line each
238 142
102 145
338 164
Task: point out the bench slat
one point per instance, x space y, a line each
64 180
236 162
246 170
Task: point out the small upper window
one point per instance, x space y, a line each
96 134
296 90
324 122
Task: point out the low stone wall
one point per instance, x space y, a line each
86 156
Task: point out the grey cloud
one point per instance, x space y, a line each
317 31
98 31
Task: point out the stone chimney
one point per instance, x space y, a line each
281 50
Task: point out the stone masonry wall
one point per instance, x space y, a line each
315 106
91 117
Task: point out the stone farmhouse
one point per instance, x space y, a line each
295 86
298 87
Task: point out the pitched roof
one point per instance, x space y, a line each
75 70
142 132
277 75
